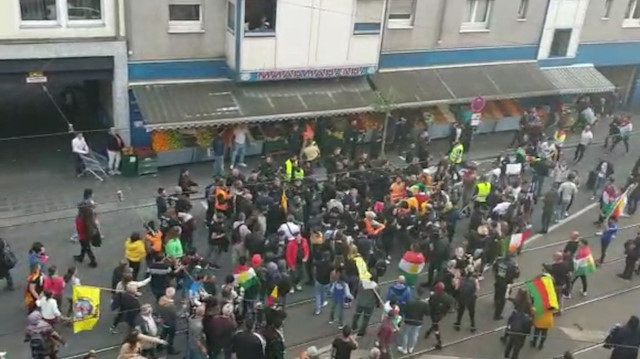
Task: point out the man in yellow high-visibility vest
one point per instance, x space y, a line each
482 192
455 158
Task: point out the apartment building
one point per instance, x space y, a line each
201 66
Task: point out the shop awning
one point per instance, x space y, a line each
166 106
461 84
578 79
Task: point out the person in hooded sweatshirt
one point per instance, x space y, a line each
624 340
400 292
415 311
439 305
169 313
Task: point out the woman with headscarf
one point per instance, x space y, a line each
197 348
43 340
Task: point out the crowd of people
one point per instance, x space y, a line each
283 230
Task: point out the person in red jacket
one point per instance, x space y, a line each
297 256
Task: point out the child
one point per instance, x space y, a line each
339 292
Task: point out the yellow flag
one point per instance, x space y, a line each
284 201
86 308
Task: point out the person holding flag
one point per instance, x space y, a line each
411 265
606 237
584 265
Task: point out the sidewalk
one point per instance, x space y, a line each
41 186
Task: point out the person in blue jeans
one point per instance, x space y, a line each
415 311
339 291
322 273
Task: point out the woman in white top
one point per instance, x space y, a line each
49 308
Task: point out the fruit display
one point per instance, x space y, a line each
511 108
492 111
162 141
204 137
368 121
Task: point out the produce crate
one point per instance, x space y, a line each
129 165
147 166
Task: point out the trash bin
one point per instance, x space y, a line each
129 165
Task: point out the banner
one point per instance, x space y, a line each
86 308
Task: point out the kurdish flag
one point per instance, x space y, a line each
614 209
284 201
543 293
517 240
584 263
410 266
246 277
273 297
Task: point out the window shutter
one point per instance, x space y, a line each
369 11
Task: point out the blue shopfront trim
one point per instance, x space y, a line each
178 70
457 56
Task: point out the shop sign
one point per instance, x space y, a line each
36 78
308 73
477 104
475 119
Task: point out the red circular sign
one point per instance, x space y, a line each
477 104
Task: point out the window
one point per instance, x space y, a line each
632 16
478 14
231 17
560 43
401 13
84 10
185 17
260 16
607 8
38 10
522 10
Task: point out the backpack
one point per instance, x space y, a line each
8 257
467 288
235 235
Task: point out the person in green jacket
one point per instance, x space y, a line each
173 247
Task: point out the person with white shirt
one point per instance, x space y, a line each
49 308
289 229
566 192
240 135
586 137
79 147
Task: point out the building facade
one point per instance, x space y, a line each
202 63
69 56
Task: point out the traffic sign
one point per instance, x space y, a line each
477 104
36 78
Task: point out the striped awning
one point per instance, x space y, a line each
578 79
167 106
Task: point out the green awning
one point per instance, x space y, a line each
166 106
417 88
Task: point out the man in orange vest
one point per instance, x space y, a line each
373 227
398 190
222 198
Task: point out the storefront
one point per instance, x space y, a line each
179 121
441 96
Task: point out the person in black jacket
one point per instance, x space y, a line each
439 305
624 340
518 327
632 252
506 271
248 344
414 313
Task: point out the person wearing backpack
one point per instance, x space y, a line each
468 288
8 261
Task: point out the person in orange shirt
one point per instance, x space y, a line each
153 240
373 227
398 190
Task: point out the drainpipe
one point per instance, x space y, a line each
383 27
443 11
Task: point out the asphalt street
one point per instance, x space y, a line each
302 329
